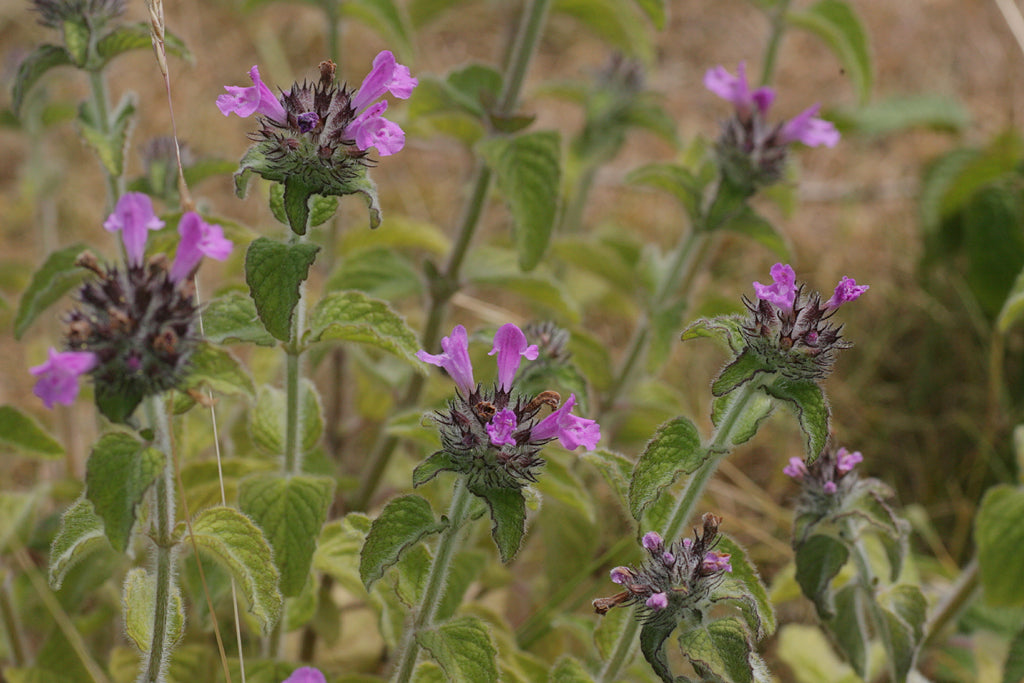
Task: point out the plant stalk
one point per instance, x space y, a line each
771 53
458 515
12 624
101 107
964 590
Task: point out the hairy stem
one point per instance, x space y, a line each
531 26
101 107
951 605
718 448
458 514
163 525
292 385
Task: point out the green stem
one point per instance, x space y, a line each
718 448
332 8
12 624
964 590
101 107
771 53
458 515
292 385
528 34
163 525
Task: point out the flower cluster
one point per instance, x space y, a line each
494 434
673 577
752 151
827 474
53 13
134 329
790 330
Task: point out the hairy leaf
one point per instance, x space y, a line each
463 648
337 553
758 408
1000 538
849 627
32 68
291 511
109 147
267 419
653 635
232 318
837 24
614 21
81 533
119 472
569 670
723 649
126 37
741 370
238 545
138 605
274 273
218 370
441 461
403 523
54 279
743 587
675 179
674 450
1013 670
353 316
818 560
20 431
811 406
528 171
508 517
725 329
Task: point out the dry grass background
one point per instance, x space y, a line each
916 423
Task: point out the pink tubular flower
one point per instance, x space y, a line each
454 359
198 239
805 127
133 217
846 291
501 426
370 128
782 291
735 89
796 469
58 376
572 431
830 487
511 346
846 461
652 540
622 575
306 674
658 601
716 562
247 101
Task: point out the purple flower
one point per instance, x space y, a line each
846 460
387 75
830 487
782 291
198 239
511 346
58 376
668 558
501 426
796 469
134 218
805 127
622 575
370 128
306 674
572 431
846 291
246 101
735 89
454 359
716 562
652 540
658 601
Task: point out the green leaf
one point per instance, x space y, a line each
57 275
508 517
274 273
232 318
528 170
653 635
569 670
32 68
21 432
724 329
463 648
741 370
904 112
465 569
1013 306
238 545
127 37
441 461
337 553
656 11
743 587
836 23
297 194
758 408
138 605
497 271
674 450
1013 670
475 88
748 222
723 649
616 469
291 511
77 36
119 472
110 146
614 21
812 411
81 533
675 179
353 316
216 369
904 626
818 560
267 420
403 523
849 627
999 535
381 273
17 513
385 17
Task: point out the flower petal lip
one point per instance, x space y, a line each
58 376
198 239
386 75
736 90
371 129
306 674
511 346
501 426
246 101
133 217
572 431
846 291
454 359
782 291
807 128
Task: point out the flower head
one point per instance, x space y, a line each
94 13
454 359
832 473
198 239
846 461
58 376
133 217
846 291
306 674
257 98
795 469
511 346
501 426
